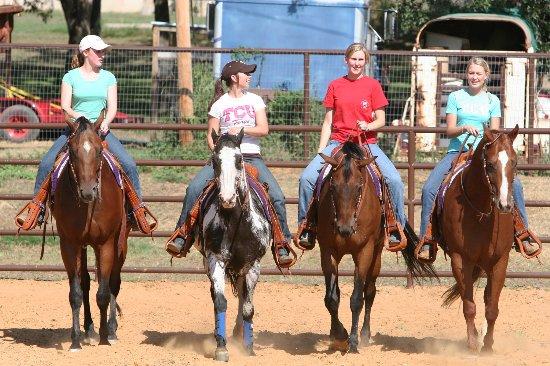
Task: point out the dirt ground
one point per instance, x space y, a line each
169 323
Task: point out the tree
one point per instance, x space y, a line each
412 14
83 17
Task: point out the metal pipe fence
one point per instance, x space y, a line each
292 82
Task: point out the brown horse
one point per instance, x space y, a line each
350 222
477 229
89 210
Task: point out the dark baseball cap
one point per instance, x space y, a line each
234 67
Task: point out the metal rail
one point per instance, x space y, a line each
266 271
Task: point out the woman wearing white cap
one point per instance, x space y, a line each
86 90
230 112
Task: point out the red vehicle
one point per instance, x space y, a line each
20 106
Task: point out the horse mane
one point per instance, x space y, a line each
351 151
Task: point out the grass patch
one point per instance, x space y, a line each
8 172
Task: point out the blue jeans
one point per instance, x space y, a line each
198 183
437 176
128 164
388 170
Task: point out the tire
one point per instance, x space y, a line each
19 114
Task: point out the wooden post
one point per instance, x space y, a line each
185 69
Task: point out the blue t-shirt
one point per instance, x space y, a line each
89 96
474 110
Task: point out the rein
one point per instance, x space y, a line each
491 190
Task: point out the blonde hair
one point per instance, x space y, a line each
480 61
354 47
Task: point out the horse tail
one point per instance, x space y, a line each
416 268
453 292
233 276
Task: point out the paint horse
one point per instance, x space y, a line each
235 235
350 222
89 209
477 229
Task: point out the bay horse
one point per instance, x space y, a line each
89 209
477 229
235 235
350 222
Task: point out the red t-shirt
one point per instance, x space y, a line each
352 101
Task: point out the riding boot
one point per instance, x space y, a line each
139 210
307 229
395 239
426 249
526 241
36 209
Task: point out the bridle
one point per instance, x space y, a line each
97 185
332 194
491 189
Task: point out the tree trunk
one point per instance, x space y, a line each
82 18
162 14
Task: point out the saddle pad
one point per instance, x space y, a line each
447 183
254 185
63 160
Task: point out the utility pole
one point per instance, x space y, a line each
185 70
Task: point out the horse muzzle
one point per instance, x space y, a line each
88 195
228 203
346 230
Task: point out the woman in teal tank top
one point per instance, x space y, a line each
86 90
468 111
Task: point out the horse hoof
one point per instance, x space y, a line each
113 339
250 350
221 354
75 349
104 343
487 350
353 349
339 345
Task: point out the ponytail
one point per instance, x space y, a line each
77 60
218 92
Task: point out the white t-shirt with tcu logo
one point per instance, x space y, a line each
239 112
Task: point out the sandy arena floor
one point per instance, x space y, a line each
171 323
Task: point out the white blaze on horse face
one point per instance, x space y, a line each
503 192
87 146
228 175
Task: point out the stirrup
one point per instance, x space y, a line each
397 232
36 213
276 255
144 226
432 243
526 235
172 250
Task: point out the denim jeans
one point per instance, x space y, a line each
388 170
198 183
115 147
437 176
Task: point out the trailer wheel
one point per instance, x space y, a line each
19 114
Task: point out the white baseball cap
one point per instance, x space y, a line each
92 41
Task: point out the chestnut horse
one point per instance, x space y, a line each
477 230
89 210
350 222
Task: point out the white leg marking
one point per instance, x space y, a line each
503 157
216 269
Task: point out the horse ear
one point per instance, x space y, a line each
487 134
329 159
364 162
71 123
514 133
214 136
99 120
240 136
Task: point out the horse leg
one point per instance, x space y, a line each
362 261
90 334
462 272
216 273
114 286
370 293
105 256
251 279
71 260
238 329
338 334
495 282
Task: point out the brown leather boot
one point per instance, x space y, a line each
36 209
